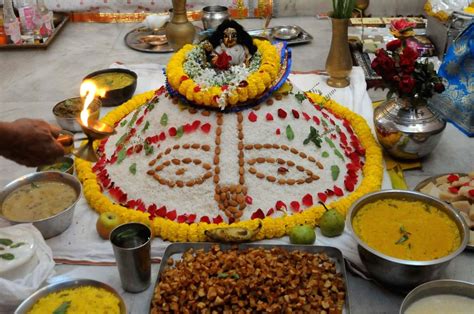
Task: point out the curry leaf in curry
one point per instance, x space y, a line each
34 185
6 242
405 235
7 256
14 246
62 309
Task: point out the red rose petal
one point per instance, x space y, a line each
162 136
316 120
308 200
182 218
452 178
269 117
280 205
349 185
197 89
196 124
248 200
205 219
172 131
130 150
138 148
252 116
329 192
217 220
183 78
140 120
191 218
338 191
278 132
295 206
306 116
171 215
206 127
258 214
453 189
282 113
188 128
270 212
322 197
295 113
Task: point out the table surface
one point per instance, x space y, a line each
32 81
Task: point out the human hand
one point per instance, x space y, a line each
30 142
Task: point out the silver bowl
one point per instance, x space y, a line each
27 304
399 274
432 288
54 225
71 123
286 32
213 16
53 167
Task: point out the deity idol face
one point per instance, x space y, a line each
230 37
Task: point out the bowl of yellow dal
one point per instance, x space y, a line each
119 85
46 199
405 238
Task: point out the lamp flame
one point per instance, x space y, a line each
89 90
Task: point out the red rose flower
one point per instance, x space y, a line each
394 44
383 65
402 25
409 53
223 61
406 84
439 87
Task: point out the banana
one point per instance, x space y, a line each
232 234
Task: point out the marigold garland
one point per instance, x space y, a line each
258 81
271 227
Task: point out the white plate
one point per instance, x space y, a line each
23 253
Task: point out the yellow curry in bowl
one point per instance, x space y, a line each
112 80
409 230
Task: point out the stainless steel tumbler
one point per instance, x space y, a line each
132 243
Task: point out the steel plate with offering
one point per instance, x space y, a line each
292 34
251 276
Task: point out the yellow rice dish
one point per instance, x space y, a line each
86 299
409 230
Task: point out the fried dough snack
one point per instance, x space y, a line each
250 281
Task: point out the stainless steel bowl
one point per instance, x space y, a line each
286 32
214 15
68 160
432 288
71 123
398 274
26 305
54 225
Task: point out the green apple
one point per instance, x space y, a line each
106 222
302 234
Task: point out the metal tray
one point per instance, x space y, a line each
59 20
303 36
419 186
175 250
132 39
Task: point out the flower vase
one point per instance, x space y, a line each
407 128
179 30
339 61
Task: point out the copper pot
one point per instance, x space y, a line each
179 30
339 61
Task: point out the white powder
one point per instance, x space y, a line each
442 304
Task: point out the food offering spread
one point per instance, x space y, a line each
191 170
259 278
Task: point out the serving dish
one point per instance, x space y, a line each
419 187
116 96
63 164
56 224
17 253
176 250
395 273
67 112
282 32
437 287
27 304
135 39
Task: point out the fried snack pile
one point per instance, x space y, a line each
248 281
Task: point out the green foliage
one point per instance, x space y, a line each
342 9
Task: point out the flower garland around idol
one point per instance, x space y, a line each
271 227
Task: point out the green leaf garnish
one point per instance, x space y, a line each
62 309
6 242
134 118
338 154
289 133
121 139
324 122
179 132
133 168
148 149
335 172
402 239
330 142
147 125
7 256
34 185
325 154
313 137
235 276
14 246
121 155
300 97
164 119
222 275
123 123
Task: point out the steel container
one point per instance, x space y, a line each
54 225
213 16
398 274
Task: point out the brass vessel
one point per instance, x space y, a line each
179 30
339 61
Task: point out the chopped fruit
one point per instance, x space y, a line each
453 190
452 178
